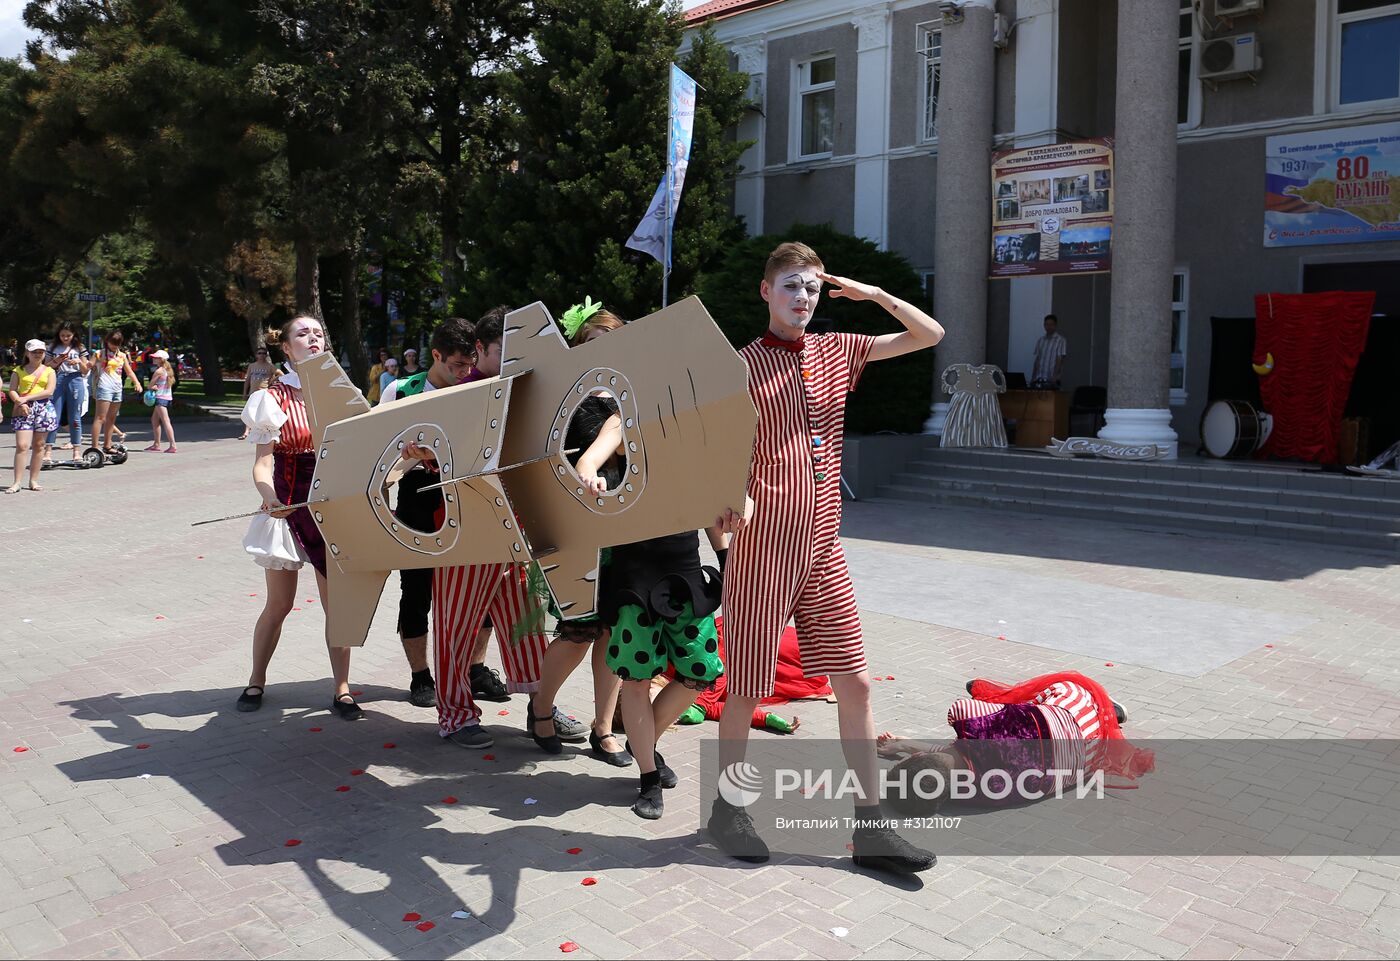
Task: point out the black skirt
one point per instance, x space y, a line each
659 575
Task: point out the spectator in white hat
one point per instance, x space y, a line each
31 386
162 382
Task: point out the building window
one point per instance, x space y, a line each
1366 51
1187 86
930 47
816 107
1180 302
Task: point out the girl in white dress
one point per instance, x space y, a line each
282 539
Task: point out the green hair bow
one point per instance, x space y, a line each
577 315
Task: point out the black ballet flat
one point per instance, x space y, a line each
615 758
249 702
346 707
549 743
650 804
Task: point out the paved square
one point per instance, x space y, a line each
147 819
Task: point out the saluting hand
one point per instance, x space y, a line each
847 288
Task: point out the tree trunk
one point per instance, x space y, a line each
351 336
308 278
192 289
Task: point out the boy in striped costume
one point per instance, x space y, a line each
785 560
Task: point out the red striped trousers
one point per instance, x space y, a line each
462 597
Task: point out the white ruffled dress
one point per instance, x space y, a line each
269 539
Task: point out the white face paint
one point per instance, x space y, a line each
792 299
305 339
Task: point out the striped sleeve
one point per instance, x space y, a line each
855 350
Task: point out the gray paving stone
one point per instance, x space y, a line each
97 861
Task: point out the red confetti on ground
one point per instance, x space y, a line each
343 788
1268 645
449 800
199 557
488 757
21 750
877 678
589 882
575 850
292 842
1107 663
425 926
389 744
314 730
296 608
356 693
357 772
1001 637
413 916
568 947
160 617
142 747
502 713
252 595
889 677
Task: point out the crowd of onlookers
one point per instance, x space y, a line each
52 384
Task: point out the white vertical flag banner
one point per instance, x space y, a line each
653 234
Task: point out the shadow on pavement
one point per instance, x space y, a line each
390 844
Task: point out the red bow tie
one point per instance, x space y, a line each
771 339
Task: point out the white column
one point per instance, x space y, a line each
752 54
1037 87
1144 228
962 229
872 123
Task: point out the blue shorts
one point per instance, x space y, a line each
163 401
110 395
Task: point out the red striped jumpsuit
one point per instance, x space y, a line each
462 597
787 563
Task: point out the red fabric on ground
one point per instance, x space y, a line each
790 685
1316 341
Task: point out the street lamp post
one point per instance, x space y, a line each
93 270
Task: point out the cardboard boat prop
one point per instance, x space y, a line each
509 492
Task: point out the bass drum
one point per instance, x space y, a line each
1233 428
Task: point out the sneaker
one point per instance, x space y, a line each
882 849
569 729
733 832
487 684
471 737
422 694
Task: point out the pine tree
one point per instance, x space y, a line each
589 133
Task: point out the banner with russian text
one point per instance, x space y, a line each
1339 186
1052 209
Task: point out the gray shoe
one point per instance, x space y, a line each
471 737
422 695
567 728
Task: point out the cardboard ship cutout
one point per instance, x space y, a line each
512 495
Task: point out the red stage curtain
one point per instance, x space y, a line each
1316 340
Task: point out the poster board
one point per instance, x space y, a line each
1052 209
1337 186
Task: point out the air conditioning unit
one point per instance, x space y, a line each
1235 8
1224 58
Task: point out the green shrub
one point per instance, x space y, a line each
894 395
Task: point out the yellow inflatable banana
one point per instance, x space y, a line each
1266 367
